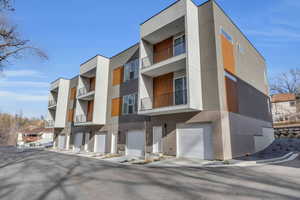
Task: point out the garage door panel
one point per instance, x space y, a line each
61 141
78 141
135 145
194 141
100 143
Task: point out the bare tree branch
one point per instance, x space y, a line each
12 46
6 5
287 82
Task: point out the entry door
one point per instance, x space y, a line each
157 139
100 143
135 143
61 142
113 143
86 141
78 141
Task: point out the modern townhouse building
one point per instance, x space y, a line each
61 109
194 86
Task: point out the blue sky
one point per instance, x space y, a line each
72 31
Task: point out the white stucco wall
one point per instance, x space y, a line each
100 101
62 103
193 57
167 16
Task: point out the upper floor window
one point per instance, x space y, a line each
227 35
131 70
240 48
292 103
129 104
179 45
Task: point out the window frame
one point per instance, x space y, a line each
134 100
174 89
135 69
177 37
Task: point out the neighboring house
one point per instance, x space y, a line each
35 136
194 86
284 107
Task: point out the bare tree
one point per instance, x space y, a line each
12 46
287 82
6 5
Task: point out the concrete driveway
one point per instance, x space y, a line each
49 175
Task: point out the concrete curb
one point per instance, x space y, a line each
288 157
275 159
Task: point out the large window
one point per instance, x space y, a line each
180 95
129 104
179 45
131 70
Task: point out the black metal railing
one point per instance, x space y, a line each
49 123
84 90
178 97
163 54
80 119
52 103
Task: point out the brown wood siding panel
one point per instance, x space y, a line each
163 50
163 90
228 55
116 109
70 115
92 83
73 93
118 76
232 95
90 110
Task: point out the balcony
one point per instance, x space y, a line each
52 104
86 93
82 120
164 103
165 61
49 124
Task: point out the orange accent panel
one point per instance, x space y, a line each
118 76
70 115
92 83
90 110
73 93
163 90
116 107
232 95
228 55
163 50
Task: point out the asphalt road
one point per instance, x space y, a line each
48 175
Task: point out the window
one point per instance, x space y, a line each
180 96
179 45
227 36
129 104
292 103
241 49
131 70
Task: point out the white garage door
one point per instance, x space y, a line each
61 142
100 143
78 141
195 141
135 143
